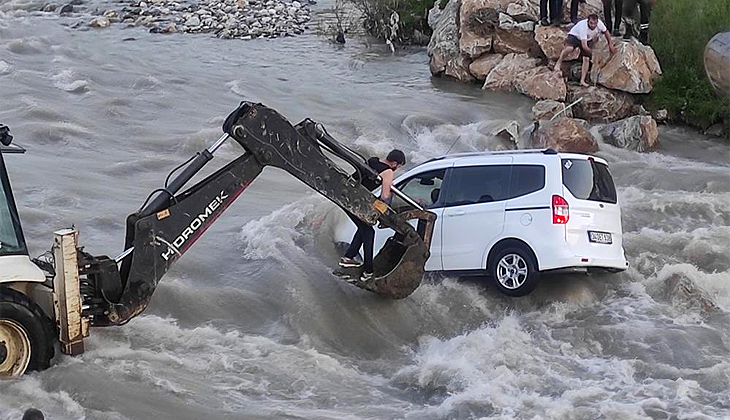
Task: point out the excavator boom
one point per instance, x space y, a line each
117 289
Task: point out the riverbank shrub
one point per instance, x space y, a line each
679 32
402 22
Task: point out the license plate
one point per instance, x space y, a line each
599 237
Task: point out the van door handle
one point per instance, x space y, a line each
457 213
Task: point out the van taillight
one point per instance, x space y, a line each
561 213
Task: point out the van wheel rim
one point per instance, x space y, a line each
512 271
15 347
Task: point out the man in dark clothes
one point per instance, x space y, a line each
556 12
645 12
365 235
607 6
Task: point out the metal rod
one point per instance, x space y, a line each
405 198
566 108
123 255
218 143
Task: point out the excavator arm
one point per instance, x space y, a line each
115 290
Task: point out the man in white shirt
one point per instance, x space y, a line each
583 35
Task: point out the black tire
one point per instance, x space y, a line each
514 270
19 310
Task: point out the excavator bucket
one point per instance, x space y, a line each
398 267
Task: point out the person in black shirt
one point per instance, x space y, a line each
365 235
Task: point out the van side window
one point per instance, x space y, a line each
424 188
526 179
478 184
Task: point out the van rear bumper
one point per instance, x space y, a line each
573 262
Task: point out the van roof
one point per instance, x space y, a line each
457 156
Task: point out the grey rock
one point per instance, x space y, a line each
637 133
66 9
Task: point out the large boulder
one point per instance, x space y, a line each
717 62
514 37
633 68
599 104
542 83
481 67
443 49
524 10
551 40
509 71
637 133
547 109
564 135
477 21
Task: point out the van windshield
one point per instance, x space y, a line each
589 180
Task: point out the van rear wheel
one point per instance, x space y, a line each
26 336
514 271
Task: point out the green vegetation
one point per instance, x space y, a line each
679 32
399 21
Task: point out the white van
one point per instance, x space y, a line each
514 215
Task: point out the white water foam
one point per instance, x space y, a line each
5 68
67 80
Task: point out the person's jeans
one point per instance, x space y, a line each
365 236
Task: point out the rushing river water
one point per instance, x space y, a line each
250 324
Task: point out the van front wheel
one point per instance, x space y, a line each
514 271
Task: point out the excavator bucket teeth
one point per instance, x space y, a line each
399 266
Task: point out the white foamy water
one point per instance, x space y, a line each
251 324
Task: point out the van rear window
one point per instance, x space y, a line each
589 180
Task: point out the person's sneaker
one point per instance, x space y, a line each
544 22
346 262
366 276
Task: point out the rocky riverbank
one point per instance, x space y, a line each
240 19
498 44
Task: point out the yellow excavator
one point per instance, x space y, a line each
52 302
